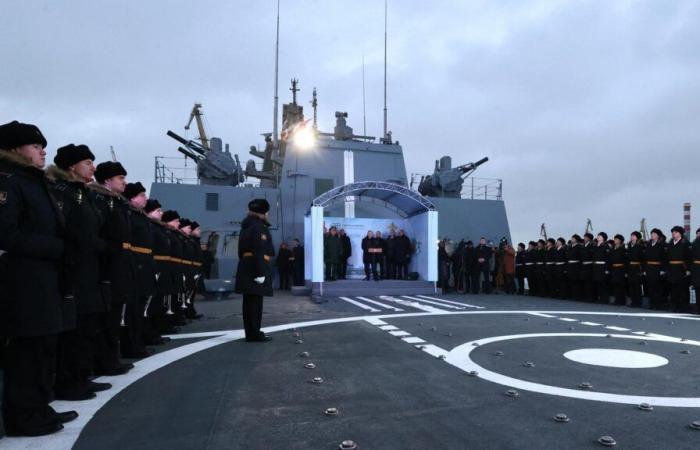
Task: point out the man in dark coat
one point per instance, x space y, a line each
254 274
117 271
284 265
530 272
678 255
618 270
346 253
368 256
573 267
73 169
484 253
332 253
469 267
174 303
635 264
402 255
156 310
541 268
380 255
601 268
655 269
586 255
520 259
31 229
695 270
298 262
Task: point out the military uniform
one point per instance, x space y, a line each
31 227
695 268
618 273
678 255
255 251
165 286
560 272
599 272
586 274
655 269
635 256
75 353
117 275
520 259
573 270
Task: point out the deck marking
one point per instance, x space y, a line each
374 302
413 340
591 324
388 327
412 304
539 314
621 359
431 302
617 328
567 319
450 301
399 333
87 409
361 305
460 358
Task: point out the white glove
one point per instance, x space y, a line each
157 276
662 273
687 273
259 280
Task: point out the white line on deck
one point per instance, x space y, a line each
361 305
591 324
374 302
450 301
413 340
388 327
566 319
416 305
542 315
617 328
444 305
399 333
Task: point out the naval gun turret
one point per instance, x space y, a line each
445 180
214 165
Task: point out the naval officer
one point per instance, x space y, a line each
254 274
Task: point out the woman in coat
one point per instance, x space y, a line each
31 317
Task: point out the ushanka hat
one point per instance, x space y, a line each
133 189
107 170
71 154
259 205
16 134
151 205
169 216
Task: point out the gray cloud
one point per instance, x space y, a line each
586 109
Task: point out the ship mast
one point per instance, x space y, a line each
385 39
277 53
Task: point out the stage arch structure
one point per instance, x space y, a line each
414 213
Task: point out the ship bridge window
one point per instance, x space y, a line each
322 185
212 201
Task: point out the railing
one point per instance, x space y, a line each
474 188
180 171
175 170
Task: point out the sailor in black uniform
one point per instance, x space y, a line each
31 227
695 269
600 268
254 274
635 261
573 267
618 270
679 257
520 259
655 269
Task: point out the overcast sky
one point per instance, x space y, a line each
585 109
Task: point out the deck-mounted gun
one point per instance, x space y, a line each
445 180
214 166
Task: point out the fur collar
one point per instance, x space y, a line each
20 162
55 173
102 190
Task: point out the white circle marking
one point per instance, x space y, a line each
608 357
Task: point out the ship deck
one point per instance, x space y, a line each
400 371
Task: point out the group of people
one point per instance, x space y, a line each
383 258
470 267
386 259
598 269
91 271
589 268
290 264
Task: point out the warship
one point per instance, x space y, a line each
304 164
